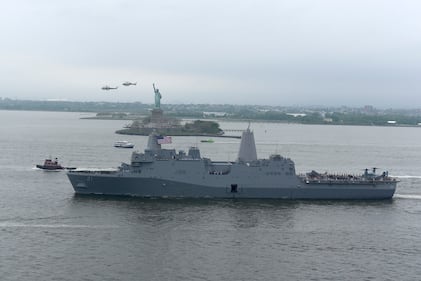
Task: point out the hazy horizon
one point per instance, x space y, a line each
281 53
304 106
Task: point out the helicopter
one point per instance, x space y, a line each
107 88
127 83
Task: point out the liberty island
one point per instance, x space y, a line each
170 126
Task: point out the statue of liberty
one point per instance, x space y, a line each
157 97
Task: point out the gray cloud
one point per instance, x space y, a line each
259 52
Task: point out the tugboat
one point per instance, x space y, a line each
51 165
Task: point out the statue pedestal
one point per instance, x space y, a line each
157 116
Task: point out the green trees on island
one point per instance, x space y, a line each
343 115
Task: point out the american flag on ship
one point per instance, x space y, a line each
163 139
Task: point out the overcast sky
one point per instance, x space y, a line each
280 52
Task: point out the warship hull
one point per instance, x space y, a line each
118 184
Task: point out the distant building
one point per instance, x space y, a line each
214 114
297 114
368 109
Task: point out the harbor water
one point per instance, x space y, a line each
49 233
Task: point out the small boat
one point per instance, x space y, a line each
123 144
51 165
208 141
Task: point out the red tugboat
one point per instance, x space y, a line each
52 165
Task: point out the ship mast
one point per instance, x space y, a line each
247 152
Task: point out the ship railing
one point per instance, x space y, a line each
343 178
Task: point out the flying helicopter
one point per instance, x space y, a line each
107 88
127 83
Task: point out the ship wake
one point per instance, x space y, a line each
407 177
408 196
21 225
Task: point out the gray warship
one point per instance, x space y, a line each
166 173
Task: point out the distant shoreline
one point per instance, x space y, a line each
363 116
264 121
217 119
